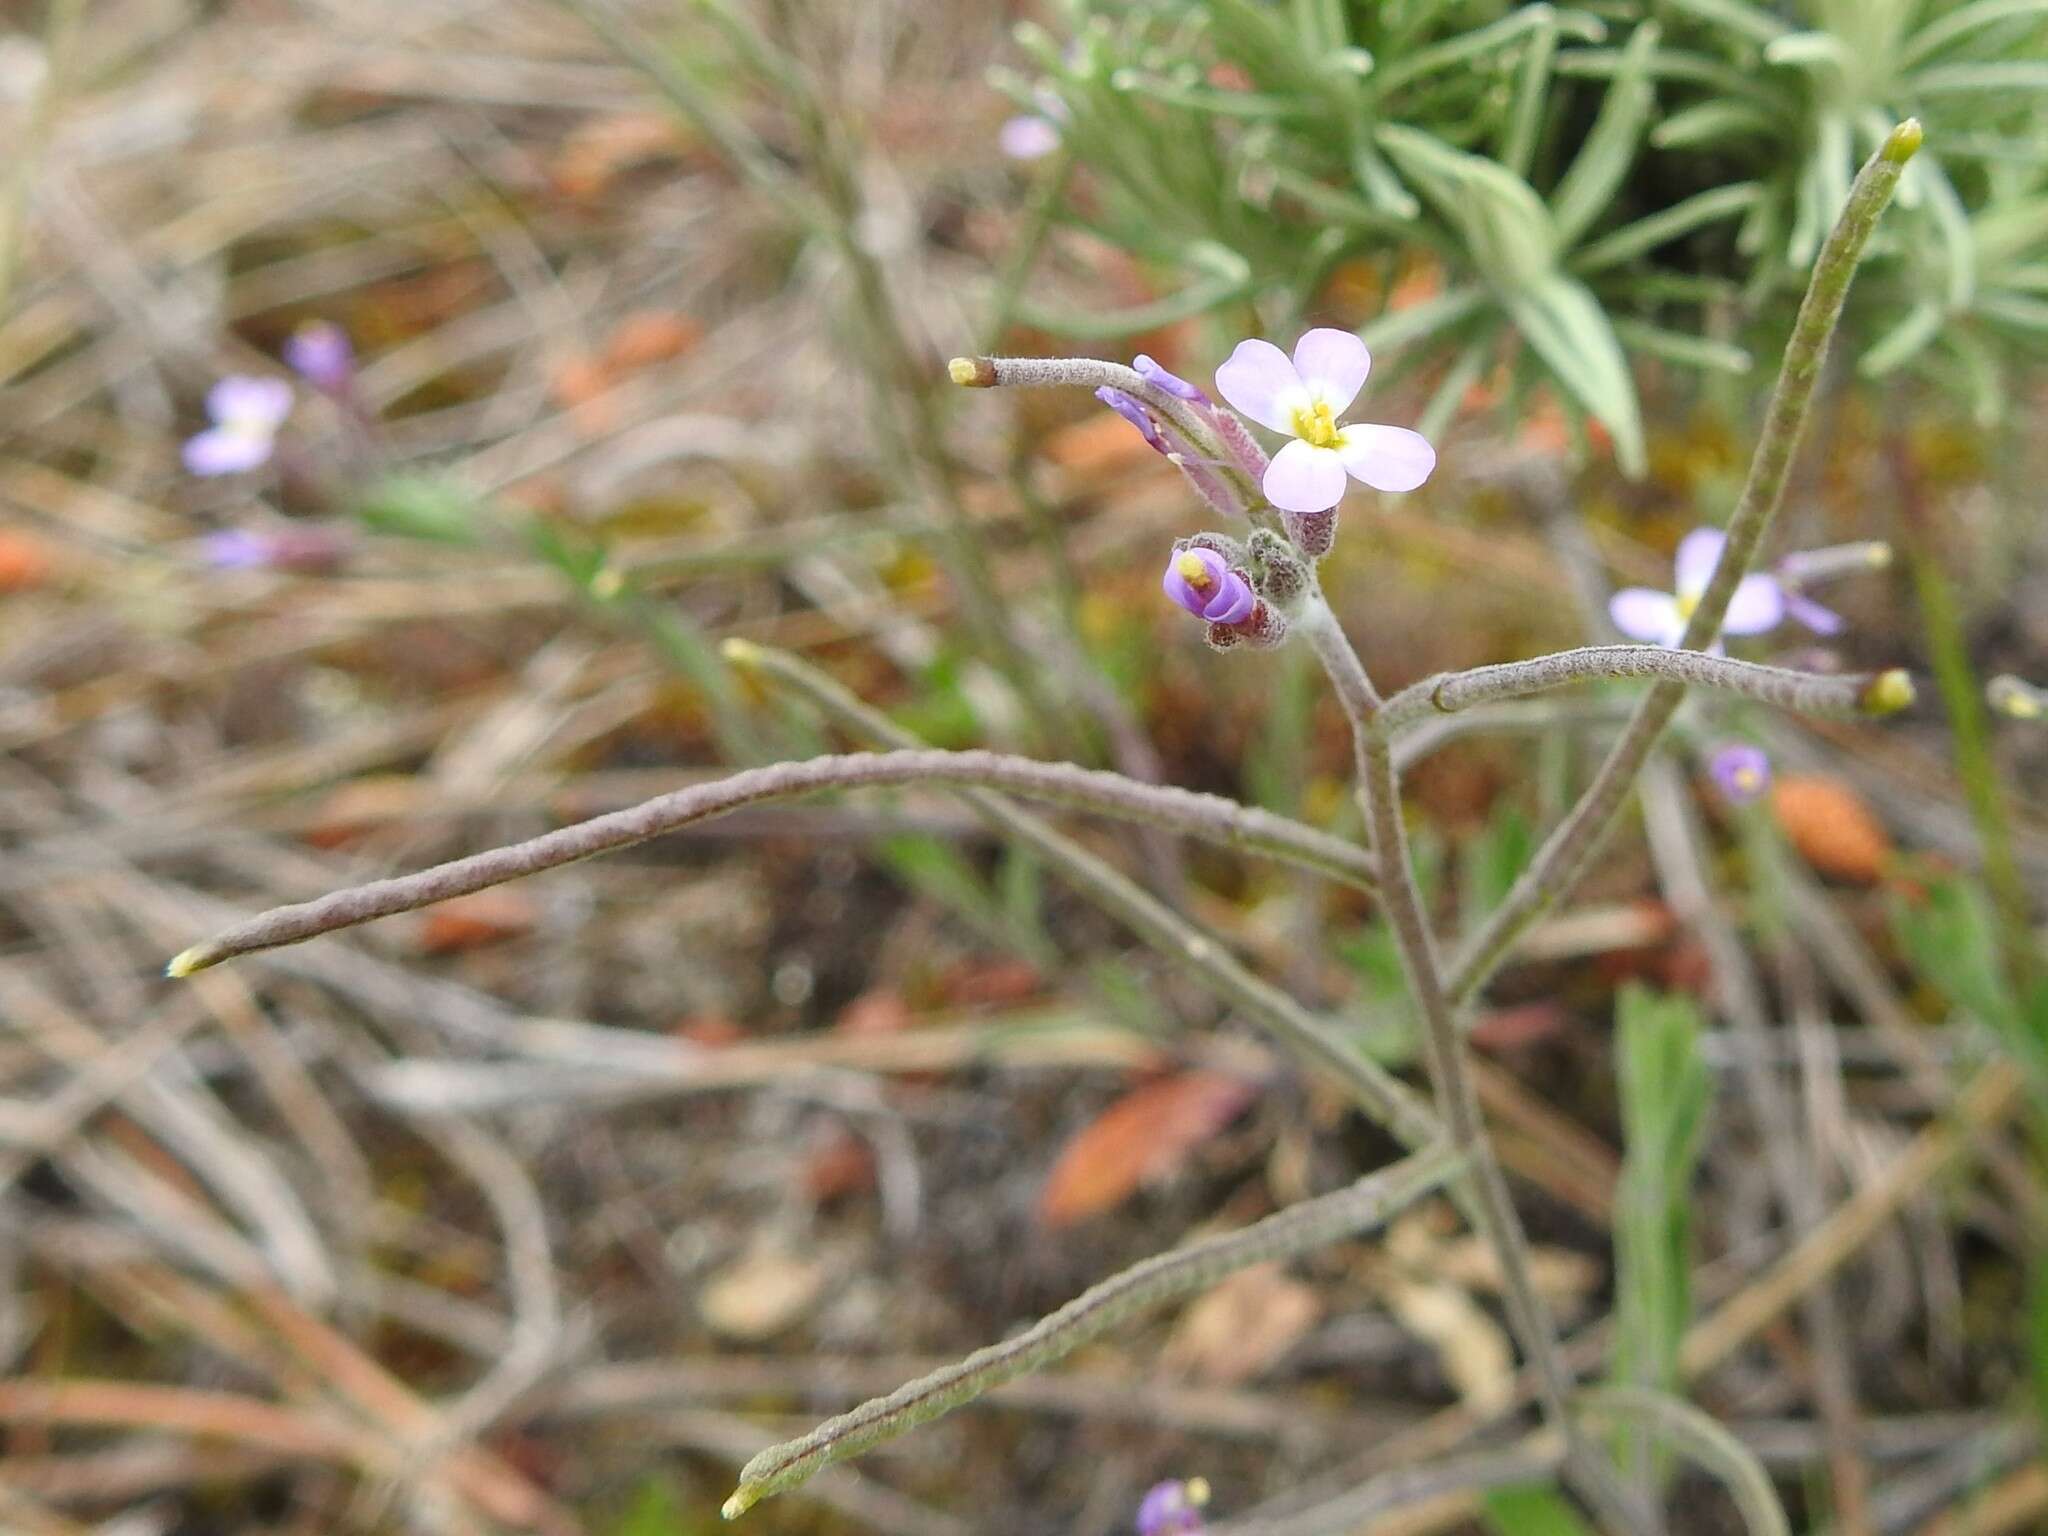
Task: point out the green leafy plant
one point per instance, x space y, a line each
1587 187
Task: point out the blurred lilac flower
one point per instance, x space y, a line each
1200 581
1172 383
246 413
1659 618
1741 771
1034 135
302 548
1133 412
1304 396
1029 137
1173 1508
1812 615
320 353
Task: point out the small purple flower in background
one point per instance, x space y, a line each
319 352
246 413
1304 396
301 548
1034 135
1173 1508
1172 383
1200 581
1029 137
1133 412
1659 618
1741 771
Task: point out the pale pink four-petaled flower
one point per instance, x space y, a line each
1303 396
246 412
1659 618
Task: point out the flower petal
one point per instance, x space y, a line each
226 451
1333 364
244 397
1698 553
1185 593
1758 605
1305 478
1136 414
1651 617
1029 137
1387 458
1742 771
1819 619
1233 602
1258 379
1172 383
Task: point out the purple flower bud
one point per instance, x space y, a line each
1129 408
1741 771
1172 383
1199 581
319 352
1313 533
1173 1508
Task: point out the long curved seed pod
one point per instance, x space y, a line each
1299 1229
1807 693
1177 810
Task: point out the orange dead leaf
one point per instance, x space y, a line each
482 917
712 1031
650 336
579 385
880 1011
837 1164
1832 826
987 983
1420 282
600 151
24 562
1100 444
1142 1137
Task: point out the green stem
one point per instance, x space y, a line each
1489 1202
1570 848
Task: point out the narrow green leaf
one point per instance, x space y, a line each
1534 1509
1958 24
1565 326
1610 145
1904 341
1683 348
1750 21
1666 225
1970 79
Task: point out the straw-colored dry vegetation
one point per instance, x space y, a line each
544 1209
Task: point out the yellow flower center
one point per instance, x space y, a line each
1748 780
1687 602
1316 425
1194 572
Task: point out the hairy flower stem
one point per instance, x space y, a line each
1808 693
1570 848
1299 1229
1490 1204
